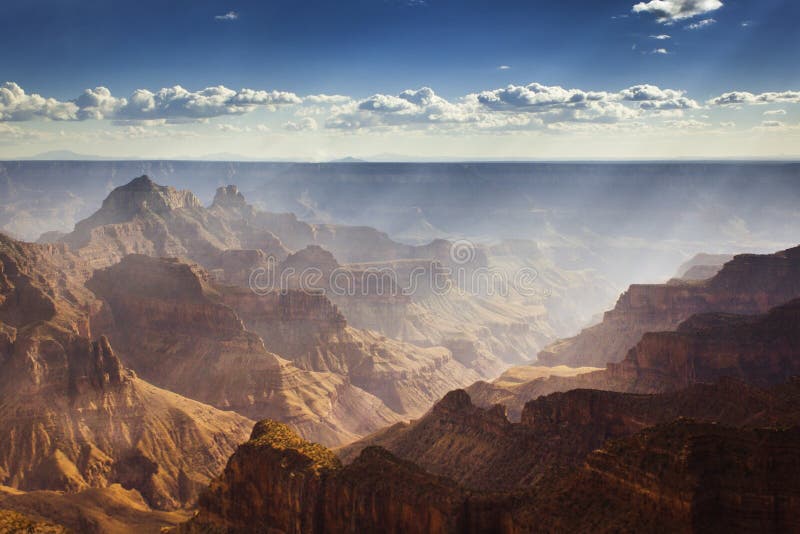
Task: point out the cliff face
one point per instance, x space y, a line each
73 417
762 350
172 326
759 349
659 471
748 284
277 481
482 450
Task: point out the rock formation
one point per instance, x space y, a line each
73 416
232 238
759 349
749 284
660 469
220 345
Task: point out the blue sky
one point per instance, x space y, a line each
360 49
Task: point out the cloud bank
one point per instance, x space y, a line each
512 108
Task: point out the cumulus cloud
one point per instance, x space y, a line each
305 124
177 102
17 105
421 108
511 107
660 51
229 16
700 24
652 97
172 104
775 112
735 98
661 37
504 67
669 11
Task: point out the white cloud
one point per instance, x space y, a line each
668 11
230 15
773 124
504 67
511 108
652 97
775 112
97 103
305 124
659 51
17 105
700 24
327 99
661 37
734 98
168 105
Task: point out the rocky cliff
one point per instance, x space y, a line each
173 326
759 349
218 344
748 284
660 471
481 449
73 416
276 481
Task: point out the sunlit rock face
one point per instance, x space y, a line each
748 284
74 417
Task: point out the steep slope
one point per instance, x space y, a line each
172 326
71 416
217 344
748 284
759 349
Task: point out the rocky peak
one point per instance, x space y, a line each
142 194
229 196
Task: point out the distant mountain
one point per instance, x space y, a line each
348 159
68 155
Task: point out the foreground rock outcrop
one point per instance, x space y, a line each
276 481
660 471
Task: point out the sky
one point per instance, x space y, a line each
426 79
